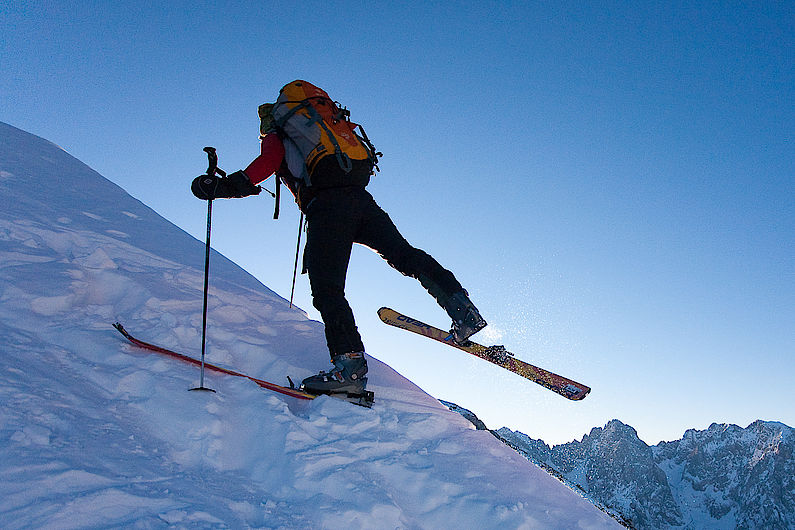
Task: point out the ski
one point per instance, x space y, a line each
494 354
365 400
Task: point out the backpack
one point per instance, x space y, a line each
321 145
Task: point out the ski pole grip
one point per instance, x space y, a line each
212 158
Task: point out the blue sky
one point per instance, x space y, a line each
612 182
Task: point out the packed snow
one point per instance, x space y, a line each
95 432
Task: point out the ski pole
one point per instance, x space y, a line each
212 169
297 250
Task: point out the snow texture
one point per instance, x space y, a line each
97 433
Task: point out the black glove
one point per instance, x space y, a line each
237 184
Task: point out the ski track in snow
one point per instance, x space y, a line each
97 433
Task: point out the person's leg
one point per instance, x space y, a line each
378 232
330 226
330 235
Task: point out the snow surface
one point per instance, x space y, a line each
97 433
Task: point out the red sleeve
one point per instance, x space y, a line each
269 160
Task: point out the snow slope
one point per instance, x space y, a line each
97 433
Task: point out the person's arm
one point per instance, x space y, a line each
269 160
244 182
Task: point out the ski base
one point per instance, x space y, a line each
494 354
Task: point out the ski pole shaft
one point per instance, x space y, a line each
212 169
297 250
206 284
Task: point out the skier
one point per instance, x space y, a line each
339 212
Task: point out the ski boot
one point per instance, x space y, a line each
466 318
345 380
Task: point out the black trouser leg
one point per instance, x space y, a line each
378 232
336 219
331 224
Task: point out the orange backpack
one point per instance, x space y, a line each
313 127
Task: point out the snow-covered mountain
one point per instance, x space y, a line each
721 477
97 433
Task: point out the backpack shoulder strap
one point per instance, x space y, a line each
304 103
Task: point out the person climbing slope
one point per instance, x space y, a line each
311 145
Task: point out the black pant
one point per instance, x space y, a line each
336 219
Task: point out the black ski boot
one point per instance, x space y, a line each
346 377
466 318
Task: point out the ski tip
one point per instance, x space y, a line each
121 329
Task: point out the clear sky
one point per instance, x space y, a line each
611 181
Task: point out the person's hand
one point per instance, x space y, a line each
209 187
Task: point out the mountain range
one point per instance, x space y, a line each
722 477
